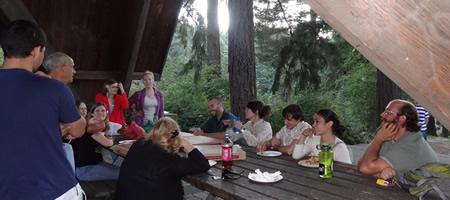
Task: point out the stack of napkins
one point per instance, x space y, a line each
265 176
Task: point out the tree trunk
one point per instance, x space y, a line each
431 126
241 56
386 92
444 132
213 38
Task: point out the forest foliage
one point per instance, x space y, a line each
297 61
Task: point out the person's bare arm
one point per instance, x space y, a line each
76 129
288 149
104 141
370 163
218 135
188 147
273 143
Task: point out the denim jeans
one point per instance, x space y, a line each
69 155
98 172
424 133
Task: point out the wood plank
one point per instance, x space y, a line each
408 40
15 9
96 75
345 178
137 44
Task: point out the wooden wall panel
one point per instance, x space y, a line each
161 24
408 40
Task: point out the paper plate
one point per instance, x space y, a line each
212 163
269 154
127 141
255 177
306 163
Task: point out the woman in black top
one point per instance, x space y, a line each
152 168
89 165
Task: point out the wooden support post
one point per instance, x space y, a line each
137 44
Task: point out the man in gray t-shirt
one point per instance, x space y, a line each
398 145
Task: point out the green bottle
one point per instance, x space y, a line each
325 161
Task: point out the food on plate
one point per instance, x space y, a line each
314 160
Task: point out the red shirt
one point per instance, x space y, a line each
120 102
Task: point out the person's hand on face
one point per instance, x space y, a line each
309 132
387 131
120 85
95 126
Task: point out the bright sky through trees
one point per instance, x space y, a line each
292 8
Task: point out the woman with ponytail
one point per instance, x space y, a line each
326 128
257 129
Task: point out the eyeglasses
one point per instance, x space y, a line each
71 66
227 174
387 112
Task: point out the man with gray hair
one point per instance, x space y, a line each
60 66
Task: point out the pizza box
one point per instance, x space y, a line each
214 152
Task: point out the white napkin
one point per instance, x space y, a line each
265 176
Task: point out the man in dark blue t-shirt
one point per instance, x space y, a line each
31 110
214 127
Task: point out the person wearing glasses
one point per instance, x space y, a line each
113 100
60 66
153 168
326 128
398 144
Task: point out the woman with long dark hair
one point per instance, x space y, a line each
113 100
89 164
326 128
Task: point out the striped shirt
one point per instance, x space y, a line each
423 114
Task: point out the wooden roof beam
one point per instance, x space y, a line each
137 44
408 40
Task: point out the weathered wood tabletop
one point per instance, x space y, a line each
298 182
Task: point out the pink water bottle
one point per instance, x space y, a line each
227 153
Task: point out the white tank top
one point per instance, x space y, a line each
149 108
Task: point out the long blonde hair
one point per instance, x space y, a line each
165 135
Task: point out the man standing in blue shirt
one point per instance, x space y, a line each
32 108
214 127
423 119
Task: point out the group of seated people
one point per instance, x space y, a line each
152 169
152 165
398 144
396 147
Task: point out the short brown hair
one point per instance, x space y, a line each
412 118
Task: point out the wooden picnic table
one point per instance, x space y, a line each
122 149
298 182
